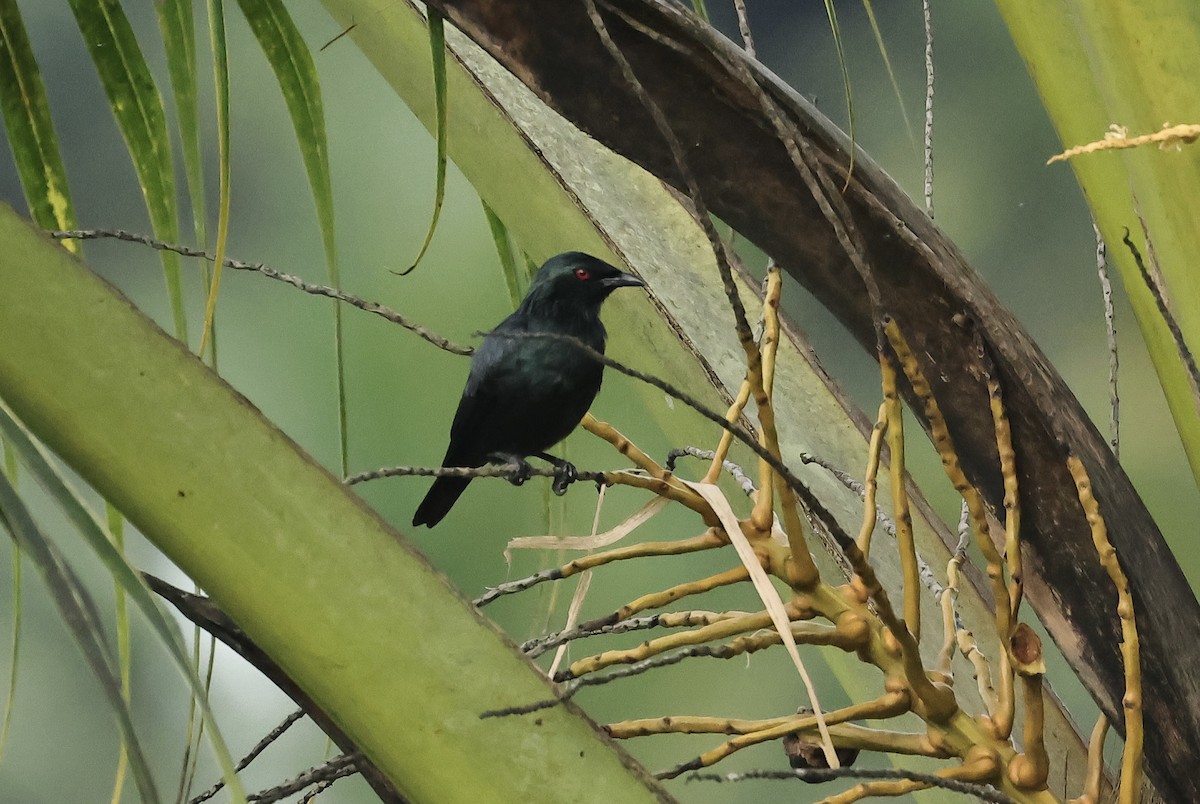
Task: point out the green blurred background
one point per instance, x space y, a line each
1023 225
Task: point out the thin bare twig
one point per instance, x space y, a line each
508 471
437 340
295 281
735 471
1156 289
204 613
334 769
980 791
742 326
570 688
539 645
245 761
1110 329
744 26
928 16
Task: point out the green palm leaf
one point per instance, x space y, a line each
79 613
138 110
292 62
30 130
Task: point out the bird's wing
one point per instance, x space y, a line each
486 393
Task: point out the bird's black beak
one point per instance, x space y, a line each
622 281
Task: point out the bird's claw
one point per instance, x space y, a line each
565 474
522 470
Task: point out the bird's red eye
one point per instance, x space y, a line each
583 274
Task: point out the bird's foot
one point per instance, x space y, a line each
565 473
523 470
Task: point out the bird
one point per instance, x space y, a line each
525 394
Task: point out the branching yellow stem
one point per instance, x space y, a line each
937 700
945 657
660 481
905 543
687 619
1012 497
964 640
760 368
1094 778
850 735
764 510
656 600
1030 769
977 770
871 481
622 445
705 541
695 636
1003 717
665 487
887 705
688 724
722 451
767 636
968 647
1131 759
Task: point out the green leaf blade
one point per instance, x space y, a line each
79 613
31 133
296 73
437 49
138 110
216 38
177 24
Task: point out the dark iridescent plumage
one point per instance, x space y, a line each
523 394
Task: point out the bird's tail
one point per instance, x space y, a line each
442 495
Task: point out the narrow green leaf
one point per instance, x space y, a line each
116 528
177 23
292 61
10 695
887 63
79 613
191 757
138 109
216 35
42 467
701 9
437 46
10 470
31 133
836 30
504 249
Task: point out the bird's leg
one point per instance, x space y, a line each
524 470
565 473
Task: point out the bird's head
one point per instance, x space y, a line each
578 280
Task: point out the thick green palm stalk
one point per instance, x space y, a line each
315 577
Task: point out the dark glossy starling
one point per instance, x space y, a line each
525 394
